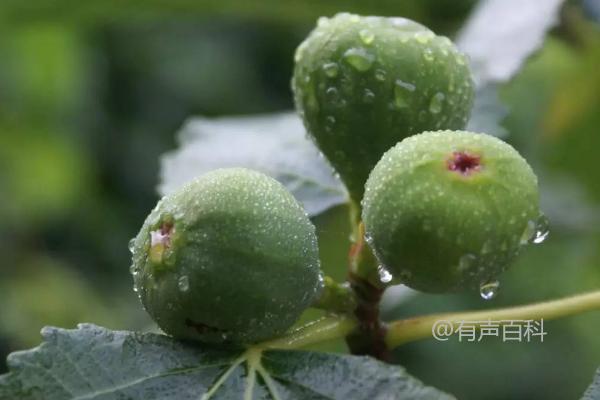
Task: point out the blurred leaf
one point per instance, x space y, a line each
44 291
92 362
593 392
274 144
498 40
501 34
488 112
444 12
43 173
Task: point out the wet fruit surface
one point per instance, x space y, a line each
450 210
231 257
361 84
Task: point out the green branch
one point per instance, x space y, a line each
413 329
409 330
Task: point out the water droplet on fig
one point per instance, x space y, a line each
183 283
131 246
424 37
402 91
528 233
384 274
436 103
359 59
331 69
466 261
380 75
368 96
366 36
542 229
428 54
489 290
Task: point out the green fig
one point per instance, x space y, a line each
231 257
361 84
450 210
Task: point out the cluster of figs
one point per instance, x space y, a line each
232 257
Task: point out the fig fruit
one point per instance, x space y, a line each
446 210
361 84
231 257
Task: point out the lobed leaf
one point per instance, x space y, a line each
274 144
593 391
95 363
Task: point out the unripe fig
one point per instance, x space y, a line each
361 84
447 210
231 257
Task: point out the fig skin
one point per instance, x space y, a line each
361 84
445 211
229 258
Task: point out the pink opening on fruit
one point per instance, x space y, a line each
162 236
464 163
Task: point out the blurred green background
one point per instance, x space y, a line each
91 96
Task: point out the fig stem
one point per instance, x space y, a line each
363 275
413 329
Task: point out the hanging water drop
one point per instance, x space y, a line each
528 233
384 275
489 290
542 229
183 283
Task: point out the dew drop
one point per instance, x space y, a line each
331 69
368 96
359 59
489 290
424 37
380 75
332 93
366 36
131 246
466 262
435 105
542 229
428 54
183 283
133 269
402 91
384 274
528 233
